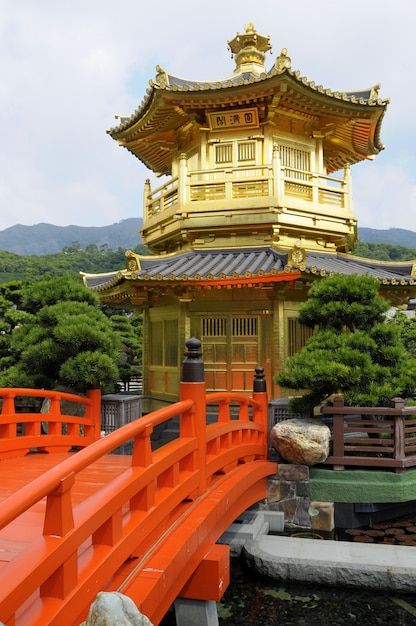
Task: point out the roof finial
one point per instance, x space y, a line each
283 61
249 50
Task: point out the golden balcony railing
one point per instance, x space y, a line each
282 185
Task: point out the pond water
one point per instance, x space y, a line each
252 600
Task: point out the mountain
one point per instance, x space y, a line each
393 236
47 239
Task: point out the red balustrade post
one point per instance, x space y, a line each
8 401
260 396
8 429
59 519
95 396
193 387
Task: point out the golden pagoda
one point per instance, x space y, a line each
257 203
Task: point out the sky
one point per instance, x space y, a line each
67 67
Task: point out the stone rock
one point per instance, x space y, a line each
115 608
322 515
301 440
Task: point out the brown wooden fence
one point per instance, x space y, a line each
379 437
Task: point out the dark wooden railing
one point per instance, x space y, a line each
382 437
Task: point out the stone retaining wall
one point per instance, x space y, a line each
289 492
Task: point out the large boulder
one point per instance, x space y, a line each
111 608
301 440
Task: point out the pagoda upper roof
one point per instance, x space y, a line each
350 119
252 265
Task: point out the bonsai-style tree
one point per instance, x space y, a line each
407 329
62 338
353 352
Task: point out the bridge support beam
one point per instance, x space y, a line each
196 612
212 576
207 583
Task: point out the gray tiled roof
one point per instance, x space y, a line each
348 264
203 265
214 264
199 265
174 83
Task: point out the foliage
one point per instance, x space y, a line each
129 329
354 351
384 251
407 328
344 300
38 294
71 260
62 337
44 343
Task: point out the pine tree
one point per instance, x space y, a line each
353 352
62 338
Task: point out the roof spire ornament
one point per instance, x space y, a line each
249 50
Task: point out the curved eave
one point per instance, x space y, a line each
99 282
131 290
388 274
147 133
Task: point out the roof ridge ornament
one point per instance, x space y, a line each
249 50
374 92
162 79
283 62
297 256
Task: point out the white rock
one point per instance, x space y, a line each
302 441
113 608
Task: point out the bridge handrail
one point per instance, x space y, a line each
122 518
226 398
153 488
78 431
30 494
27 496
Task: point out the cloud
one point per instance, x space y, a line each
66 68
385 198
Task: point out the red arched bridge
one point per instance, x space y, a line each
76 519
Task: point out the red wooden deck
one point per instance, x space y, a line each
18 472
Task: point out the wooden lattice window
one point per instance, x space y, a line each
224 153
214 326
245 327
297 162
247 151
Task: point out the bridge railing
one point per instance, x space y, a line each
55 579
52 430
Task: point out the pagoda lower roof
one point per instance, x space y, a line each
196 266
243 265
388 273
